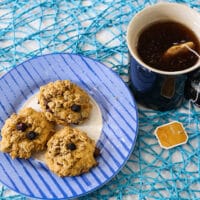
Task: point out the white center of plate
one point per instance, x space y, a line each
92 126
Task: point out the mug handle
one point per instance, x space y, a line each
192 87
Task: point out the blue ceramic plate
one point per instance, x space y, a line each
117 138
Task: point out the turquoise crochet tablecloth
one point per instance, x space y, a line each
97 29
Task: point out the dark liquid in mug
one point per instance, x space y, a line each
160 36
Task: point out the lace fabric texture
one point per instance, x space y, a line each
97 29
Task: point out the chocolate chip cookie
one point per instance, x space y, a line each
25 133
70 152
64 102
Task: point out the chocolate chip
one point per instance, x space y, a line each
71 146
76 108
96 152
21 127
49 110
75 123
31 135
47 106
46 103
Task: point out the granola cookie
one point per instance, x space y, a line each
70 152
64 102
25 133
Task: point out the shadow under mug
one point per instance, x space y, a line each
157 89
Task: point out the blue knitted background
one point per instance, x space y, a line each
97 29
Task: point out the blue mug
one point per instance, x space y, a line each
154 88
